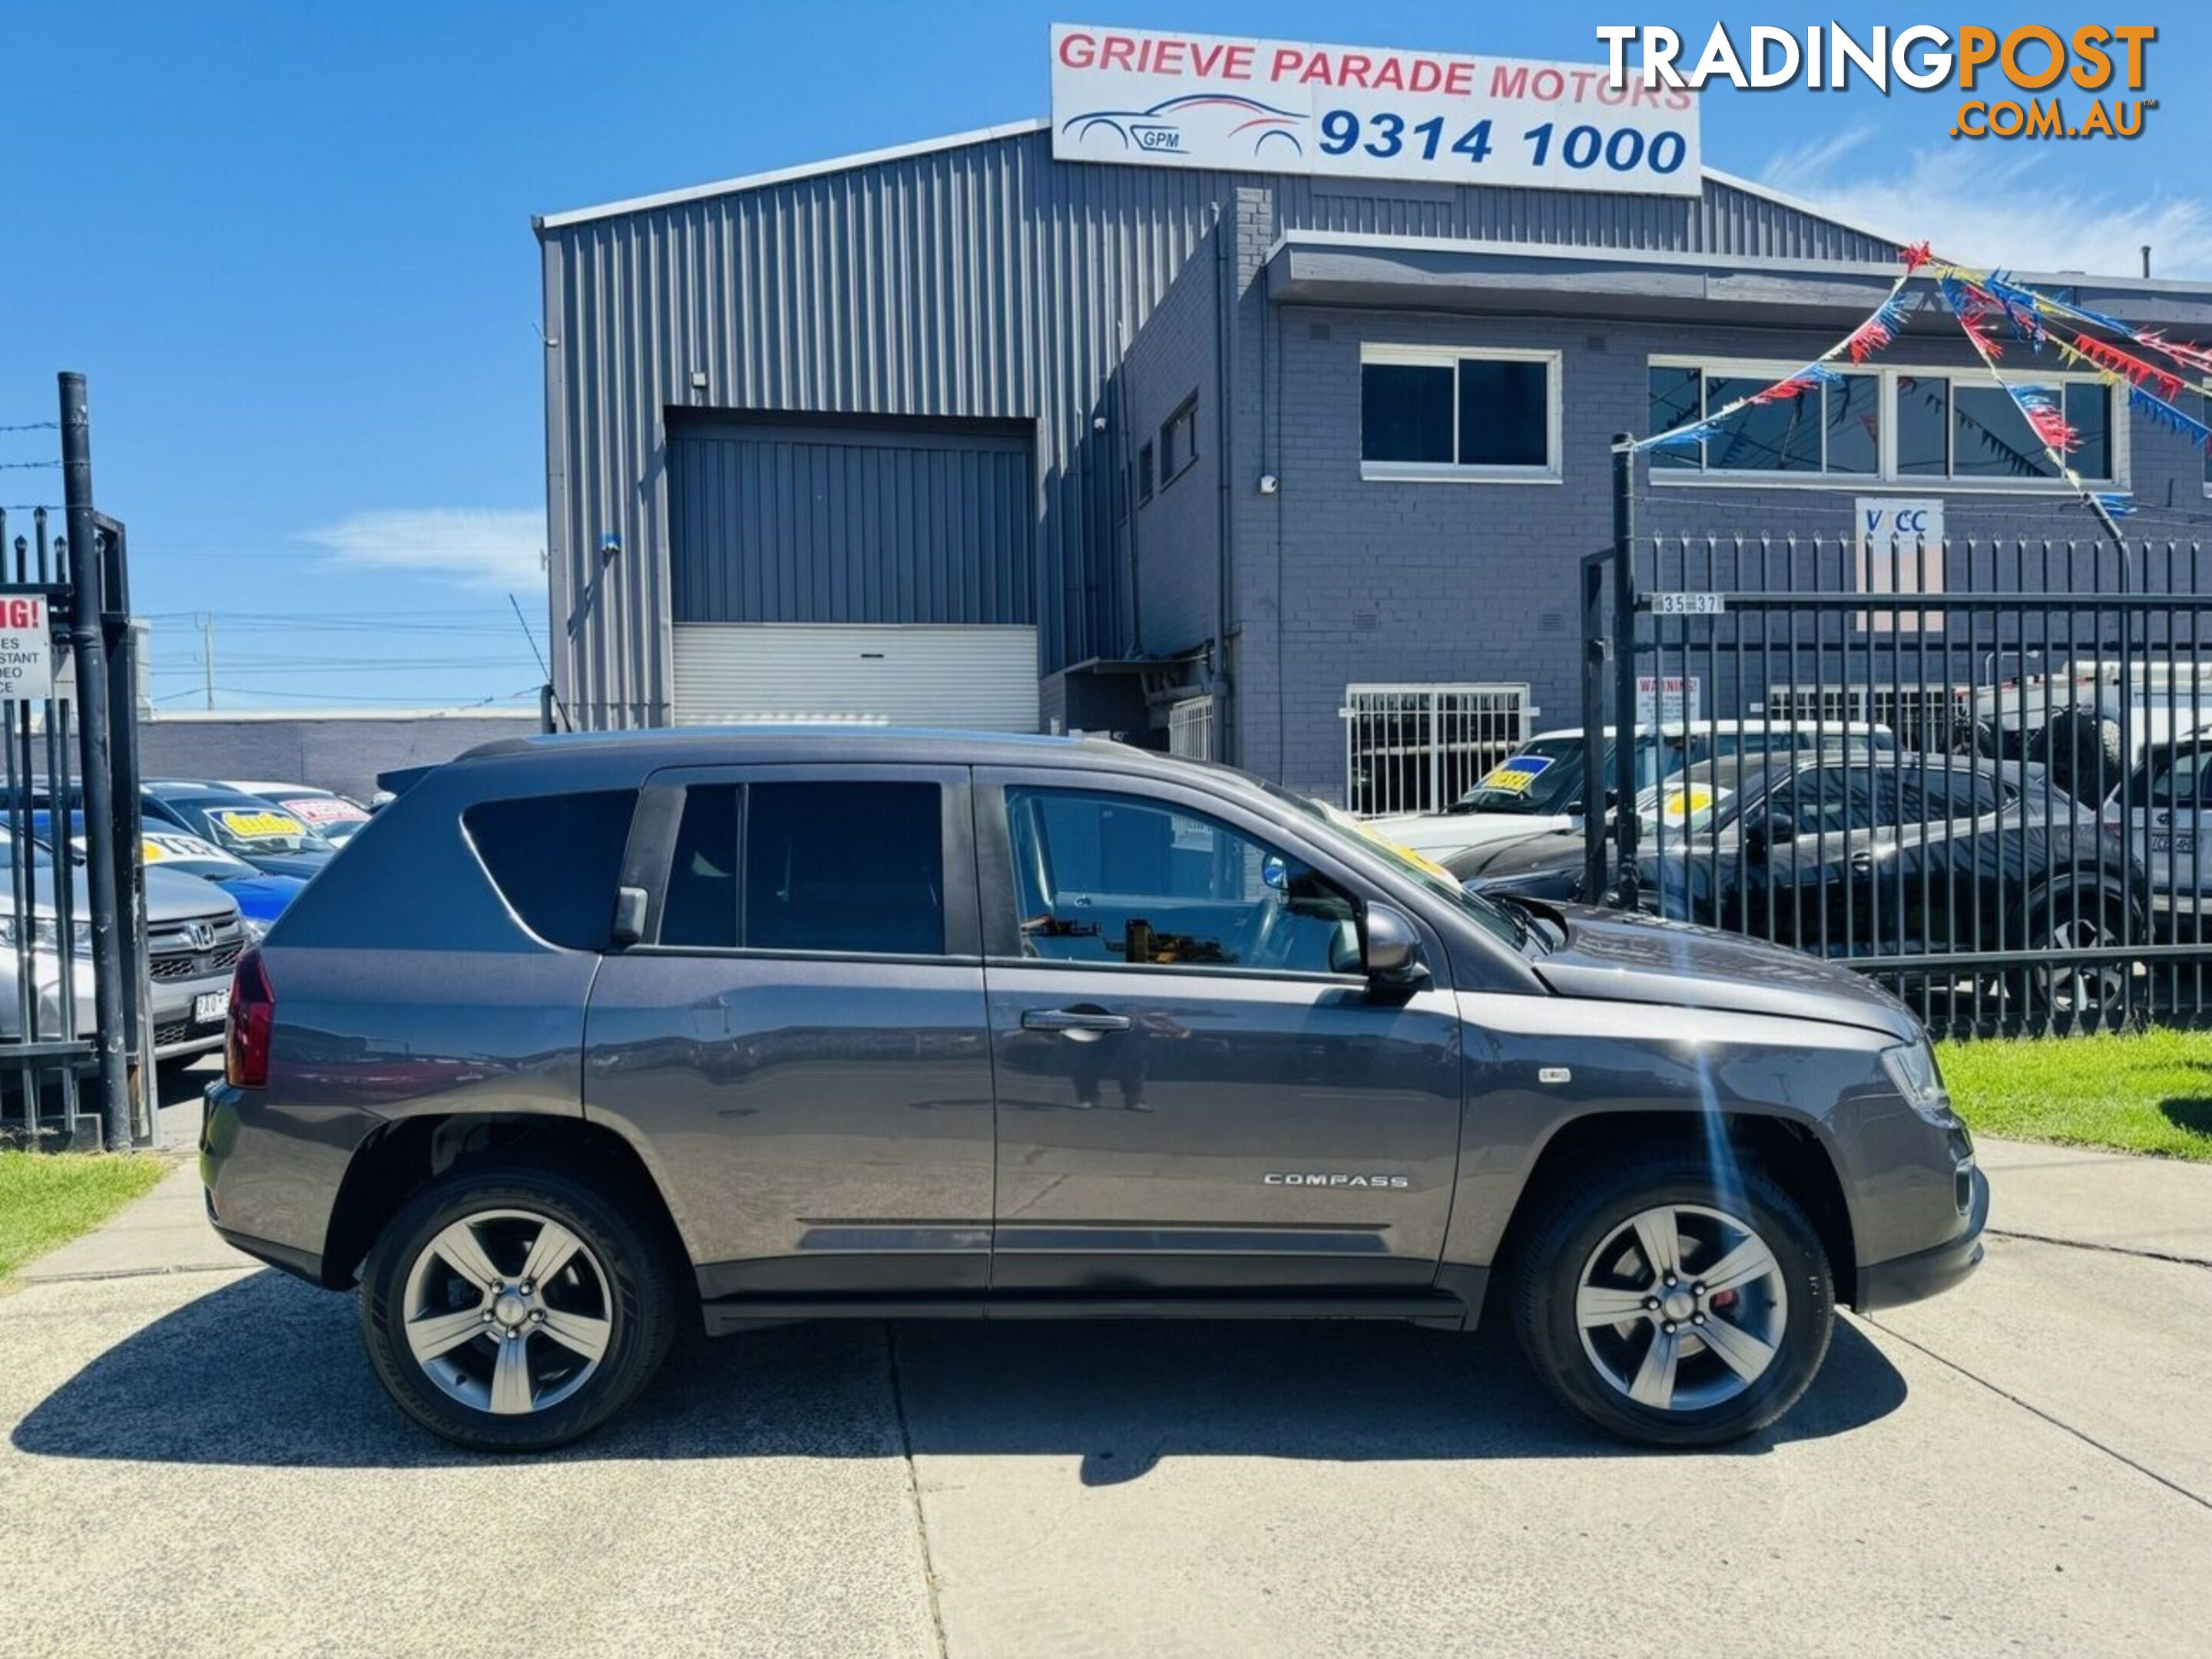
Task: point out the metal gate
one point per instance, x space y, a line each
1190 728
72 1039
1418 748
1993 799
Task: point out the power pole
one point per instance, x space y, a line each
207 657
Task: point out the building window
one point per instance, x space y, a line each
1144 474
1179 441
1894 424
1465 415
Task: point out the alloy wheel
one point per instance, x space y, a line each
507 1312
1682 1307
2075 988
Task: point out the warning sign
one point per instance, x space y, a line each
26 650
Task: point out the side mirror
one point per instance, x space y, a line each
1771 831
1393 950
629 917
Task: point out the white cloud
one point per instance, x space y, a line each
475 546
1981 205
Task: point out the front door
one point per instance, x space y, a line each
1197 1089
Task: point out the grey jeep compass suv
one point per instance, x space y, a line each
588 1036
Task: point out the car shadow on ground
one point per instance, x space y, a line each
266 1371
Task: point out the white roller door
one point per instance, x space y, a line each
981 678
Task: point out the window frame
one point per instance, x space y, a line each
1886 475
1456 472
1147 484
660 813
1184 418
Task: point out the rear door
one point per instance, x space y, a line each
799 1044
1197 1089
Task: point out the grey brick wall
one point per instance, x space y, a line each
1397 581
1177 534
344 755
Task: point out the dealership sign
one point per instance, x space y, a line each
1156 98
26 649
1900 551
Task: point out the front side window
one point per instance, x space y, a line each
1443 413
847 867
1824 803
1112 879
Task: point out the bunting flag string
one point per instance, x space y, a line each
2045 414
2110 361
1878 329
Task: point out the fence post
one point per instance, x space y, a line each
89 646
1596 648
1624 668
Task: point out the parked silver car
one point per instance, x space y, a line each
194 937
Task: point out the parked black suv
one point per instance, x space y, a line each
775 1025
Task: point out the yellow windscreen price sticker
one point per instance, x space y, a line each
260 826
1517 776
1678 804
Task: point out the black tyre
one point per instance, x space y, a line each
511 1308
1670 1308
2067 991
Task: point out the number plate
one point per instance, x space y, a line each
1687 604
208 1009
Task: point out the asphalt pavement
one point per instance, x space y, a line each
197 1459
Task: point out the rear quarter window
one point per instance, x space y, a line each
556 860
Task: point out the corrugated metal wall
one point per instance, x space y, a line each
979 679
983 280
912 521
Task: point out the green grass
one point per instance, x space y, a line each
49 1198
2150 1092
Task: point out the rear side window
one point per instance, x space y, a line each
854 867
556 860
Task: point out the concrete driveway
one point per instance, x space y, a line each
198 1460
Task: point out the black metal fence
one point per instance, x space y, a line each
75 1055
1976 771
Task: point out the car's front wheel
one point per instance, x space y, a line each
514 1308
1673 1303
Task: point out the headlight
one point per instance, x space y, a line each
254 929
1912 1068
46 937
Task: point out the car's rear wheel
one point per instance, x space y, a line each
514 1308
1674 1305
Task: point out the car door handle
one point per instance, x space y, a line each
1073 1020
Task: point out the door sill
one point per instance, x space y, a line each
729 1314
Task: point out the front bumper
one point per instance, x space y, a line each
1914 1277
177 1032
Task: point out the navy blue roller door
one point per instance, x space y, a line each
784 519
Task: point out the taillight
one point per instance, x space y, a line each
253 1017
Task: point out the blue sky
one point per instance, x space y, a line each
292 249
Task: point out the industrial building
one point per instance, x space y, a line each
1291 469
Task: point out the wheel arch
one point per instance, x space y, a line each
407 1154
1790 1150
